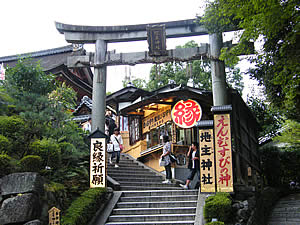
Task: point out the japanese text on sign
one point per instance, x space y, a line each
223 153
97 163
156 119
54 217
156 36
186 114
207 161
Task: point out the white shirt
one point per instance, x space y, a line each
193 156
113 139
87 127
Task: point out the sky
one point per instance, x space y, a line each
28 26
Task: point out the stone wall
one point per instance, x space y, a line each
254 208
20 198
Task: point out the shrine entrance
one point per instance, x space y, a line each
156 35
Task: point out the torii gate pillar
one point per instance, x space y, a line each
99 87
218 75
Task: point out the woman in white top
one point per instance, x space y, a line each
117 141
166 157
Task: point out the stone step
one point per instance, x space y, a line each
292 215
125 162
159 198
140 173
154 217
287 209
141 211
283 222
146 200
153 223
159 193
147 184
128 169
138 179
165 204
125 165
139 188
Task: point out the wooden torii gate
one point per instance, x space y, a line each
102 35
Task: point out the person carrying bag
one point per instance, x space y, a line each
165 157
117 141
110 151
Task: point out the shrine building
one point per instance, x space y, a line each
144 117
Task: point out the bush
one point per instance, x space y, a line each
31 163
13 129
56 195
11 126
218 206
48 150
66 148
5 165
5 145
216 223
84 207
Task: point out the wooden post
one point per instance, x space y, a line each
99 87
54 217
218 75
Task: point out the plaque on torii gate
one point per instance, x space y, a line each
101 35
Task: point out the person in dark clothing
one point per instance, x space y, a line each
194 164
110 123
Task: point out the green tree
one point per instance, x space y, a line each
138 82
6 106
198 70
276 24
43 104
290 134
269 119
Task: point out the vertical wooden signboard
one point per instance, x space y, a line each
207 160
223 153
156 37
98 160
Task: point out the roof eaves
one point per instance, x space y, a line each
53 51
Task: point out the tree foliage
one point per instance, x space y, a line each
41 125
276 24
199 71
290 134
280 165
268 118
138 82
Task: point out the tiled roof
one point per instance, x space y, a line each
84 101
52 51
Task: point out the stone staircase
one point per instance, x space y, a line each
286 211
145 200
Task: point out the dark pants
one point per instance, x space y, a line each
168 171
118 156
192 174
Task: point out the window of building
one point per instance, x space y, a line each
155 136
184 136
135 130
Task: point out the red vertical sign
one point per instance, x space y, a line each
224 174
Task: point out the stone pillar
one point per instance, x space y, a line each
218 75
99 87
